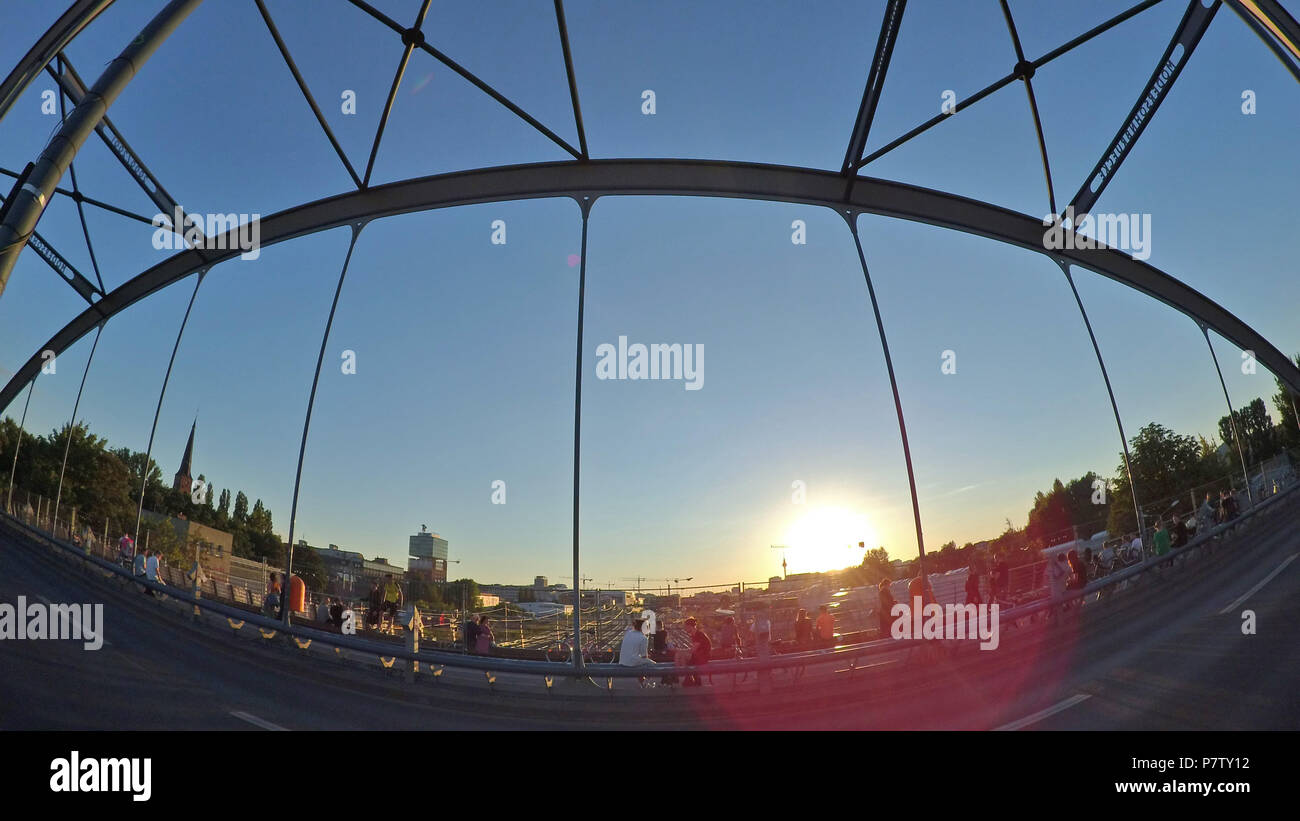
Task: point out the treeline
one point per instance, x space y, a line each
1167 467
103 483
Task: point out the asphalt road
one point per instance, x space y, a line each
1168 654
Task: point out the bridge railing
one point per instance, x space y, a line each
782 661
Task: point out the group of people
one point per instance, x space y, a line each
808 633
1211 513
384 602
143 565
635 649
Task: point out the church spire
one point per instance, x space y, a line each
184 481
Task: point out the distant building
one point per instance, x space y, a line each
343 568
215 547
539 581
183 481
428 556
376 569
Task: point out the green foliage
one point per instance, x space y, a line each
308 566
104 484
1258 438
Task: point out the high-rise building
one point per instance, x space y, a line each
428 552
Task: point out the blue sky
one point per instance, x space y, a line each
464 349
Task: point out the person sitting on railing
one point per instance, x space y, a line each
336 614
803 629
137 569
698 654
825 628
634 650
151 569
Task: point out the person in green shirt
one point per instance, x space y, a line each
1161 538
392 597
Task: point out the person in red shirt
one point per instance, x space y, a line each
825 626
698 654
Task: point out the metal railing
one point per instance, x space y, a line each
782 661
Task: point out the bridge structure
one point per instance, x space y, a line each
848 191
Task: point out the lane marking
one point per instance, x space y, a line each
1042 714
1252 591
259 722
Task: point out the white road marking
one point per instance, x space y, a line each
1042 714
259 722
1252 591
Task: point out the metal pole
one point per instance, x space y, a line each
306 424
585 204
67 445
30 201
9 500
851 218
1114 406
148 452
1232 415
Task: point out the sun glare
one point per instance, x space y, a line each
826 538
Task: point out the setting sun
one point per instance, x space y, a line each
826 538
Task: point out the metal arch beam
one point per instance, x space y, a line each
1191 28
65 29
29 203
1275 27
698 178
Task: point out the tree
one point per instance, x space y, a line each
241 508
1288 431
1255 427
223 505
259 521
1164 466
308 566
1067 510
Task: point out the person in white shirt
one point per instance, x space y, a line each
634 651
137 568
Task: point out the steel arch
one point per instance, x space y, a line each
697 178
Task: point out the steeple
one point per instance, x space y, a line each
183 481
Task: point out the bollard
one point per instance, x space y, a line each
414 627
